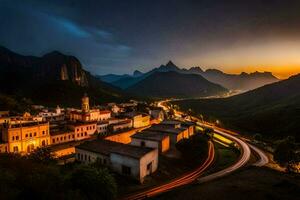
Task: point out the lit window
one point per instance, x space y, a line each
16 149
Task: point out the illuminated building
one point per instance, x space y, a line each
151 139
86 114
24 137
128 160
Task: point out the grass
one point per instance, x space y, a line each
247 184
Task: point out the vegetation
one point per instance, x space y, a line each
272 110
38 177
193 149
287 153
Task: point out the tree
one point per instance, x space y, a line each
42 155
209 132
286 152
94 183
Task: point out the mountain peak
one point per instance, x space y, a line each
54 53
170 64
137 73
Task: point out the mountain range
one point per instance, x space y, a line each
272 110
243 81
52 79
173 84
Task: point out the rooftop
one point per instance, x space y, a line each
166 129
106 147
150 135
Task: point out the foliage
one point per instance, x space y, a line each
89 180
31 177
193 149
42 155
286 152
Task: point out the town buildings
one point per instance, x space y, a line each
86 114
151 139
25 137
132 161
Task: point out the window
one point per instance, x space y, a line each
30 134
61 138
57 139
87 128
77 129
81 134
34 134
77 134
43 132
69 136
126 170
13 137
78 156
94 127
16 149
53 140
149 167
65 137
85 156
43 143
143 143
89 158
17 137
26 135
73 136
85 133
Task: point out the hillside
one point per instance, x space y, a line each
243 81
173 84
272 110
52 79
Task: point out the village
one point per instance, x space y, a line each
118 136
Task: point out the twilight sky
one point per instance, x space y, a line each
121 36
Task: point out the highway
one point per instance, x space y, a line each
244 158
263 158
183 180
245 149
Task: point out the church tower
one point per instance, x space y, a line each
85 106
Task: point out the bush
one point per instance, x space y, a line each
94 183
193 149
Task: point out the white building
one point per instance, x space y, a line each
151 139
132 161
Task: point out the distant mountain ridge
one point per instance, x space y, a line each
243 81
272 110
168 84
54 78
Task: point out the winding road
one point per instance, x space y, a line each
185 179
245 148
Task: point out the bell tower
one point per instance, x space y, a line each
85 106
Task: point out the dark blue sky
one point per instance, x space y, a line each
120 36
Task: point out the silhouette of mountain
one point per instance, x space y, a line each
54 79
173 84
272 110
243 81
